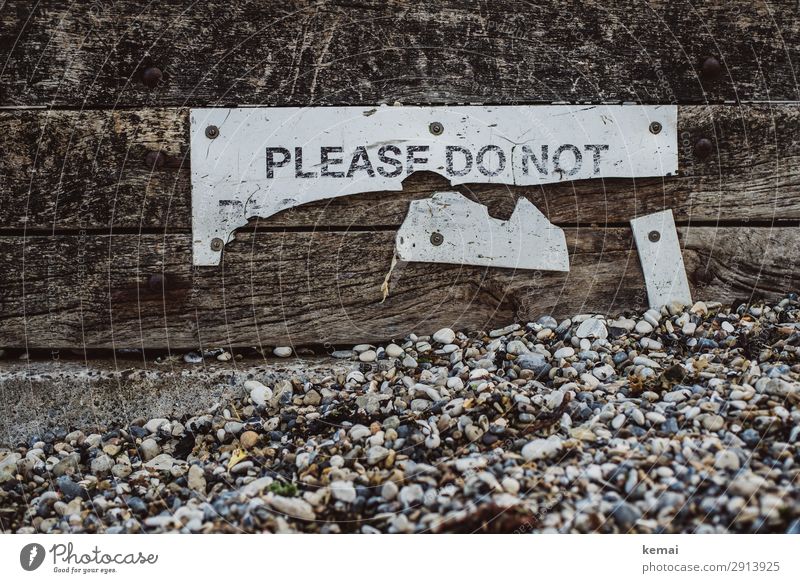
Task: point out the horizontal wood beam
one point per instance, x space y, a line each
70 170
325 287
59 53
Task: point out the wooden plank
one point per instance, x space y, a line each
300 52
325 288
86 170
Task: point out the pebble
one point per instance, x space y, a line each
542 448
343 490
592 328
155 424
376 454
411 495
282 351
259 393
248 439
389 490
368 356
394 351
726 460
196 479
565 352
516 347
692 429
149 449
102 464
444 336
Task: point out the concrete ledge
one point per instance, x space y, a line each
40 396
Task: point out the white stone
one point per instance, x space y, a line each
444 336
259 393
389 490
564 352
516 347
592 328
394 351
149 449
282 351
726 460
153 425
603 372
294 507
343 490
542 448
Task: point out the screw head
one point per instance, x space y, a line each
654 236
655 127
703 148
437 239
711 69
155 283
151 77
217 244
212 132
436 128
155 160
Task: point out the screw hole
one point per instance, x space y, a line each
654 236
212 132
437 239
655 128
436 128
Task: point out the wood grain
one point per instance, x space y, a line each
72 170
325 288
57 52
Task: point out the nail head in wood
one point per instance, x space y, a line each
703 148
155 160
155 282
711 69
151 77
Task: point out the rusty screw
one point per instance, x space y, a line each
654 236
436 128
216 244
156 282
711 69
437 239
655 128
151 77
155 160
212 132
703 148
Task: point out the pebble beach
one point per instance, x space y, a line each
684 419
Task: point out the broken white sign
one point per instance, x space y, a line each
255 162
662 263
450 228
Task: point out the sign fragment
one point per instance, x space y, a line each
450 228
662 263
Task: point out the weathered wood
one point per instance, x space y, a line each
325 287
301 52
87 170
